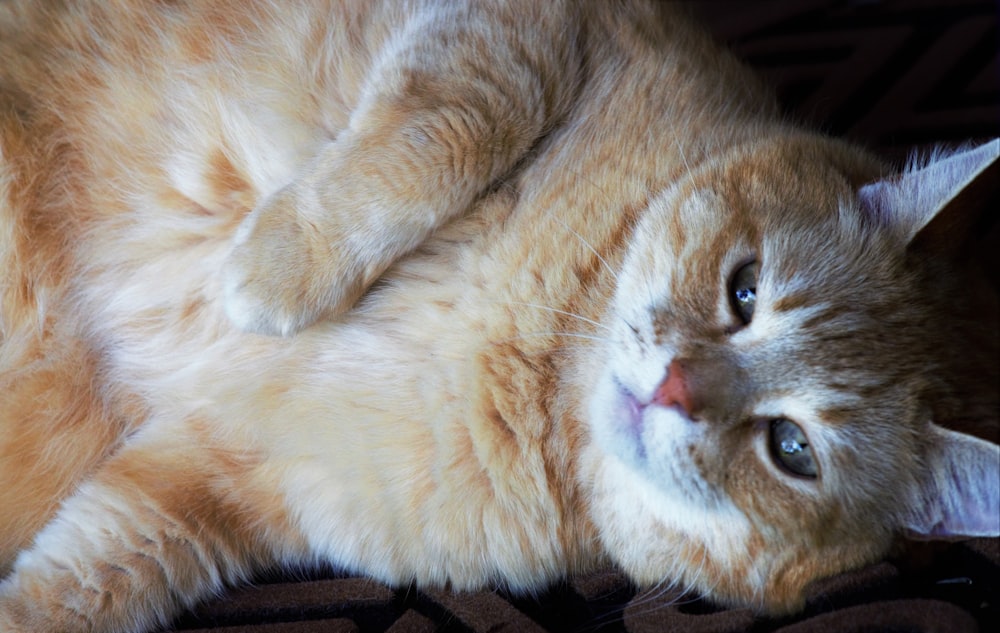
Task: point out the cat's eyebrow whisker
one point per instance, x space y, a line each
557 311
601 339
555 347
600 258
682 153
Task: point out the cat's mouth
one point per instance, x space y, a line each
629 410
634 421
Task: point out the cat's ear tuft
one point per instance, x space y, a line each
959 495
945 191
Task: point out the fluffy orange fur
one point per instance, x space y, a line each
486 230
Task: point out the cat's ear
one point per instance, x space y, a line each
935 204
959 495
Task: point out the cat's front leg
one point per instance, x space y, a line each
156 530
310 250
285 271
436 124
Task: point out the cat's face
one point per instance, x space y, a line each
757 414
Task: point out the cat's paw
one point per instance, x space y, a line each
283 273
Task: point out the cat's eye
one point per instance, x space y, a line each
743 291
790 448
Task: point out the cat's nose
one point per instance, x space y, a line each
675 390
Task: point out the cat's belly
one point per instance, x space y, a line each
378 429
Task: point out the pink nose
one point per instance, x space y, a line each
675 391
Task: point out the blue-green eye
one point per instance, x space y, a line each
790 448
743 292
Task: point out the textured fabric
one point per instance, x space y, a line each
949 588
892 75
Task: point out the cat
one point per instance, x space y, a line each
470 294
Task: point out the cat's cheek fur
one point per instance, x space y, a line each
665 511
653 537
708 549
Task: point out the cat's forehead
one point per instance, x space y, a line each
796 211
799 220
837 308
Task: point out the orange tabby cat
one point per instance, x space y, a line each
565 289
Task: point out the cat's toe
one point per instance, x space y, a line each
270 282
251 310
262 301
283 273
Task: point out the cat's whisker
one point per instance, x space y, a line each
556 311
706 589
652 600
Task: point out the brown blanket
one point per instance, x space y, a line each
891 74
956 589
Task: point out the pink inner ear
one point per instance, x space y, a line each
962 516
960 495
911 200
